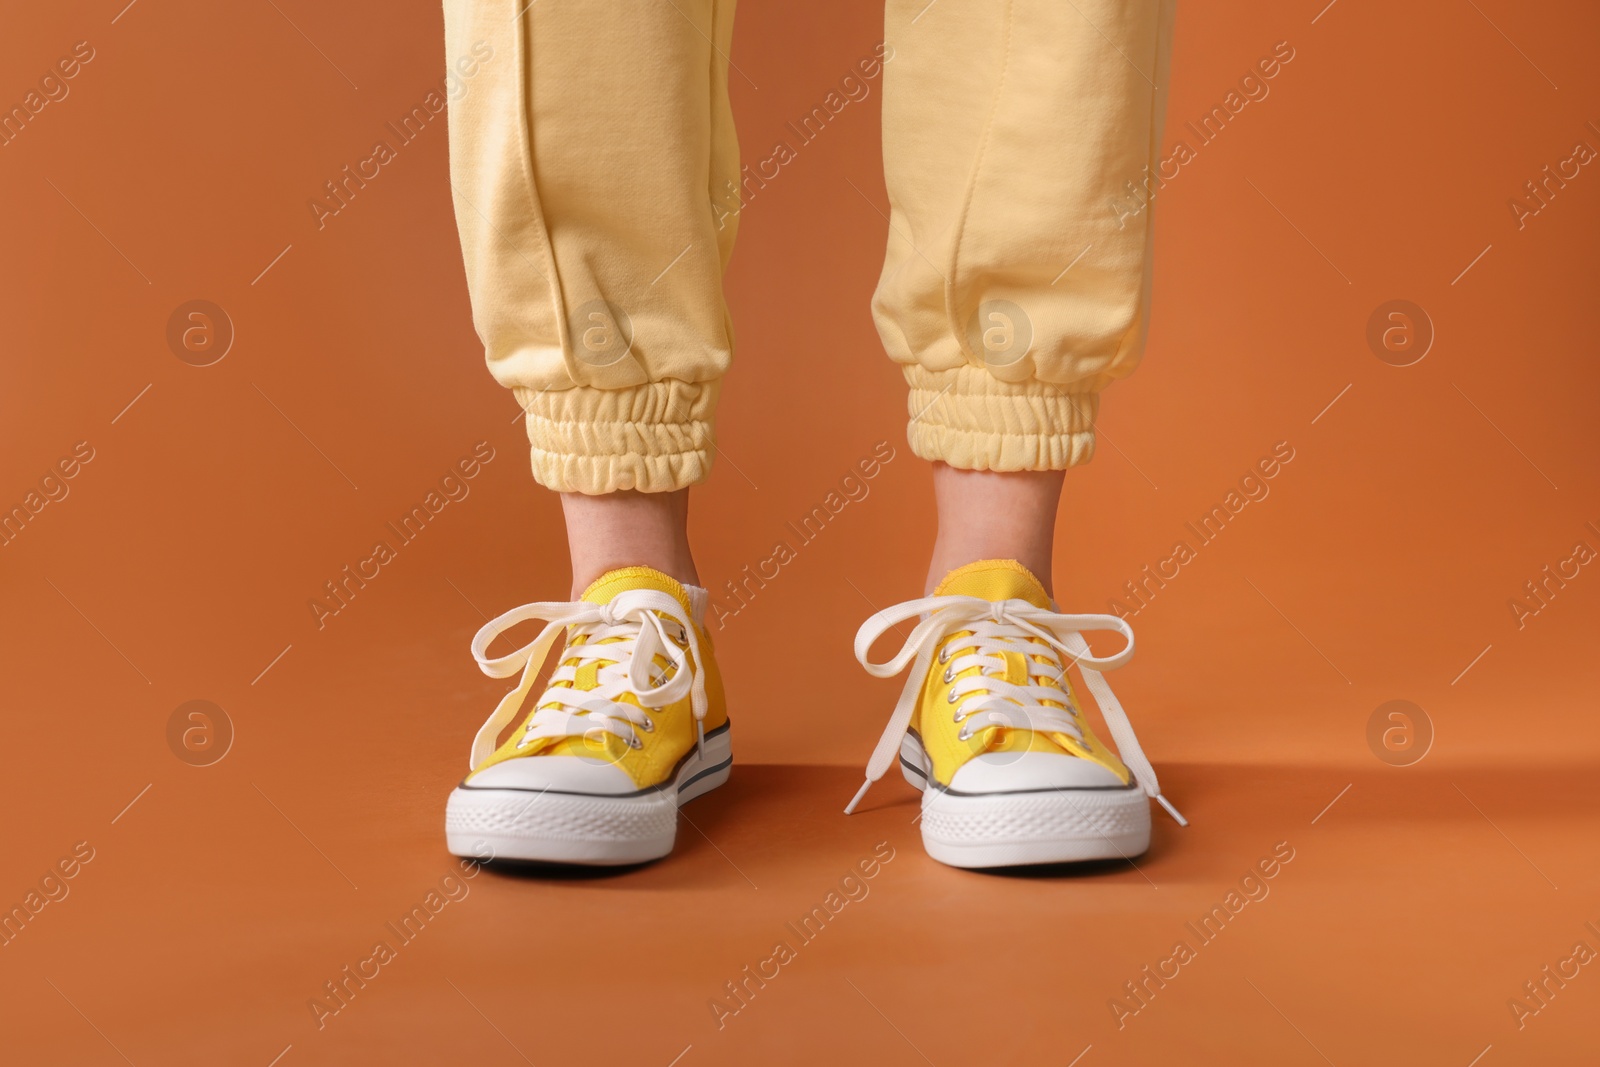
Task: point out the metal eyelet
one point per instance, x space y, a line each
634 742
949 675
951 699
944 655
649 727
962 735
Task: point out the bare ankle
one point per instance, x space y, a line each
628 529
994 515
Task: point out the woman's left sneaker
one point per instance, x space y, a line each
990 729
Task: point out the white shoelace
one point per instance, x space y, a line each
998 627
634 628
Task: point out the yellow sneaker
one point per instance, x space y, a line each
632 725
990 729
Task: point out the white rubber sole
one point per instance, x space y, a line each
607 831
1025 828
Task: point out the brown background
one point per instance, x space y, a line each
1380 567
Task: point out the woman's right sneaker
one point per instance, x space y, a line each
632 724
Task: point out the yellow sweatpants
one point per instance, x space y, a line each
597 189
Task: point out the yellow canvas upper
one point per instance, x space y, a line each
934 720
675 734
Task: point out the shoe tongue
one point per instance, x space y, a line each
625 579
995 579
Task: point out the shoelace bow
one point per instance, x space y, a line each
623 636
993 630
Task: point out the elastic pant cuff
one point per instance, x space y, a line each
655 438
969 419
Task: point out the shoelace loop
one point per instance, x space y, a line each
1003 703
628 632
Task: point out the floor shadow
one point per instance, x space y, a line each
1080 870
536 871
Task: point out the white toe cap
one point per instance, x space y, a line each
1011 772
564 774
